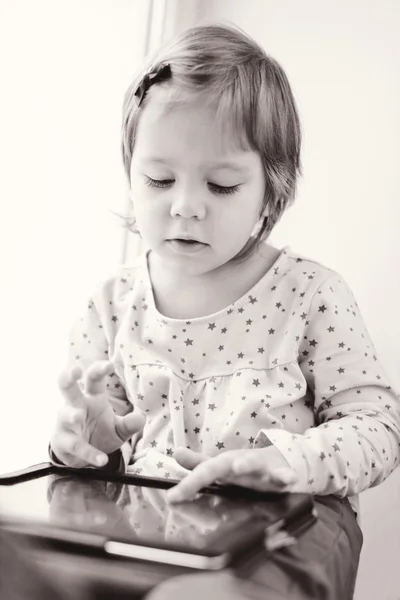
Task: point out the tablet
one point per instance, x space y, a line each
126 516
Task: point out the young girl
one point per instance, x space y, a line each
217 356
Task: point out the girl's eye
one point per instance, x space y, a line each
158 183
214 187
221 189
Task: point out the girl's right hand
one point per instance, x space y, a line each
87 429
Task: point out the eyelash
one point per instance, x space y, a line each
165 183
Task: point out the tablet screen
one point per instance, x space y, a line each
134 514
82 511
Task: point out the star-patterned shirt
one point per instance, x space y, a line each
290 363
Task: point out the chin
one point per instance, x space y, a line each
197 264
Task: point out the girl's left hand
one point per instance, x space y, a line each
263 469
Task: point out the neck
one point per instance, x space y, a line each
177 279
181 296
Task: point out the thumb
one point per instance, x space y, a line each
188 458
128 425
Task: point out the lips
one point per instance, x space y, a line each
187 239
186 246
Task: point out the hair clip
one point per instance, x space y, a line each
155 75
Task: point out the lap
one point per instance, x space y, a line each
321 565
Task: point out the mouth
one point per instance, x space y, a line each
188 246
186 240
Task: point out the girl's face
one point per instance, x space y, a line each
189 182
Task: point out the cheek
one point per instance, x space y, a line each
142 212
150 214
238 218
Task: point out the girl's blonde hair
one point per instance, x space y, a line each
250 90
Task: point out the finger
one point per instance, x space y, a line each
260 483
188 458
70 418
249 463
254 464
82 450
202 475
284 476
128 425
94 378
68 385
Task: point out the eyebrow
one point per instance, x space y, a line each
226 164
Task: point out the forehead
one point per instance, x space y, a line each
188 130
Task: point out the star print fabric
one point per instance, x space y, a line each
290 363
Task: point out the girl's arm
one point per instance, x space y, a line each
356 443
92 339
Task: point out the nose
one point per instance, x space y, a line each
187 205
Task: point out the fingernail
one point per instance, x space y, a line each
101 460
174 495
285 476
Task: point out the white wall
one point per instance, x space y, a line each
65 65
342 59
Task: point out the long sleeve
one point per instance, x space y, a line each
356 441
91 339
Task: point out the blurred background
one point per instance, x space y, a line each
65 65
